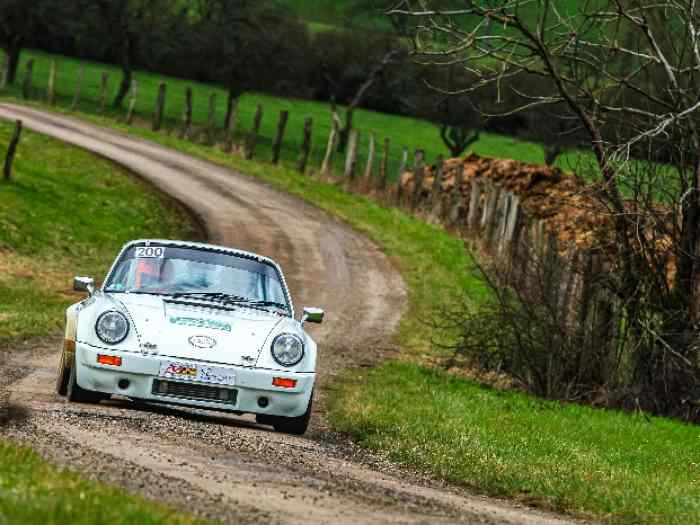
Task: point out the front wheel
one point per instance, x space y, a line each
289 425
76 393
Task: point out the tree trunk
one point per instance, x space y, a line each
13 51
344 134
124 87
127 72
691 239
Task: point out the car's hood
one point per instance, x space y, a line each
194 329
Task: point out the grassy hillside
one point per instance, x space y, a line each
369 14
403 132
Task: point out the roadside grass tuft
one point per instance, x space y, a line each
33 491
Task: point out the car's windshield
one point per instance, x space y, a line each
174 270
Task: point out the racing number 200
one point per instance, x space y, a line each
150 251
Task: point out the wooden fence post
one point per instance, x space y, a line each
456 203
211 120
5 71
568 280
369 168
502 213
132 101
418 174
11 148
327 165
491 212
279 137
436 189
103 91
78 87
551 265
305 146
253 136
160 105
27 84
513 223
351 159
402 168
51 89
186 131
384 167
230 124
474 205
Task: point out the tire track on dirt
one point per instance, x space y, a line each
225 466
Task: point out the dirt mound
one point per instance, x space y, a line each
546 193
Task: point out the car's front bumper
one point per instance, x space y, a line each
136 376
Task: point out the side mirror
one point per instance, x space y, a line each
84 284
312 315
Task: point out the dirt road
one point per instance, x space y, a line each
224 466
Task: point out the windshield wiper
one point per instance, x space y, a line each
270 303
211 295
255 303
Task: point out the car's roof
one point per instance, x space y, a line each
201 246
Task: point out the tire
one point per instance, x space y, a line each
76 394
62 377
288 425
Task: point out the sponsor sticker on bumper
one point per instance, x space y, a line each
197 373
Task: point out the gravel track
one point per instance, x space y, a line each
223 466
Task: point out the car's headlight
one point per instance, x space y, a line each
112 327
287 349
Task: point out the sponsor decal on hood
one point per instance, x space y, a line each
201 323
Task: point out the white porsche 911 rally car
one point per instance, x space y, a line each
192 324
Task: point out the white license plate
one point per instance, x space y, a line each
197 373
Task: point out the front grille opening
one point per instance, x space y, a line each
194 391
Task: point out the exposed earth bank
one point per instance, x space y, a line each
222 466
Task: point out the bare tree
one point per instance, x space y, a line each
627 71
390 57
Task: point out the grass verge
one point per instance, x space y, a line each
33 491
617 467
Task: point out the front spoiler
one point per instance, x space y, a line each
140 371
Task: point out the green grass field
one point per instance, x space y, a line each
403 131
